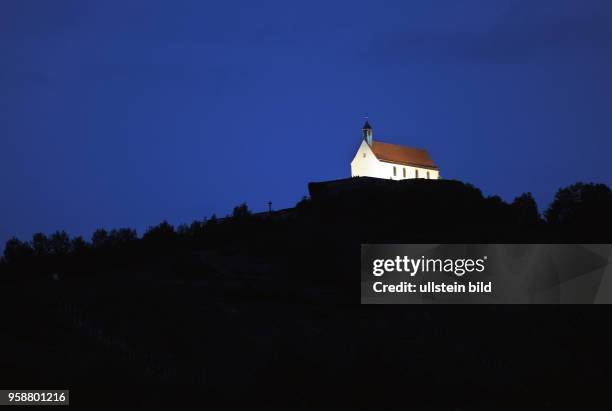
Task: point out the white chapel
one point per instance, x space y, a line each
391 161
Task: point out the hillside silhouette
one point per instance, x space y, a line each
341 213
245 299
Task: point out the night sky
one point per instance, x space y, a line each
125 113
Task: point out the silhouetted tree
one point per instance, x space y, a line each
196 228
40 245
121 237
99 238
164 232
496 210
240 212
78 245
586 205
210 229
59 243
525 210
16 251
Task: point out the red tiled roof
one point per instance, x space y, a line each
392 153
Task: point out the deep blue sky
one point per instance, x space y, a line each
124 113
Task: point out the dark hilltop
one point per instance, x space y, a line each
243 300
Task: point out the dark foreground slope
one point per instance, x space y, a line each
268 306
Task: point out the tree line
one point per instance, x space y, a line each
576 211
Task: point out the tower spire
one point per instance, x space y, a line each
367 131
